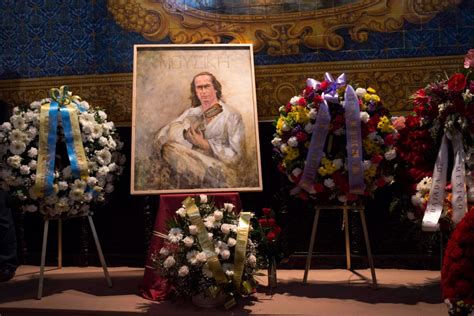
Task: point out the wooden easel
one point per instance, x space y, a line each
345 208
60 251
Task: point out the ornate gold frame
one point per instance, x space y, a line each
278 34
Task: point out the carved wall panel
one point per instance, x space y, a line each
395 80
279 27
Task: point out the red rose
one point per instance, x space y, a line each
308 90
288 107
463 288
351 197
389 139
457 82
266 211
271 236
271 222
277 229
324 85
318 187
380 182
281 168
263 222
376 158
302 102
303 195
317 99
301 137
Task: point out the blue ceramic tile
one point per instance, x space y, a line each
421 39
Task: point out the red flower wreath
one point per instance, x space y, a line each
457 275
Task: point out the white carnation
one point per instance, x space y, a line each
14 161
181 212
30 208
102 115
103 157
229 207
308 128
62 185
276 142
329 183
24 170
103 141
218 215
169 262
183 271
391 154
293 141
294 100
193 229
360 92
312 114
164 251
203 198
6 127
231 242
364 117
252 260
188 241
225 254
175 235
35 105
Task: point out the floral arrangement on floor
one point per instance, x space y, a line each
43 166
457 274
298 124
208 252
443 116
267 233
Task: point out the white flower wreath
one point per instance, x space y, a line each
19 143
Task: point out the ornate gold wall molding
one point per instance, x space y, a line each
395 80
277 31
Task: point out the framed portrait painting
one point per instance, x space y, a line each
194 119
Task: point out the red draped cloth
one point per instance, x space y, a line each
154 287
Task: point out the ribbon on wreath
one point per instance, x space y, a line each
207 247
66 105
458 181
320 131
353 142
213 261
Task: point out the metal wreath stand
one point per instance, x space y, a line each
345 208
60 250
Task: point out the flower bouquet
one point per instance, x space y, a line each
334 143
207 253
443 118
457 274
267 232
58 155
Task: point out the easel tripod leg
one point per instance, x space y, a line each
43 259
311 246
99 250
346 233
367 245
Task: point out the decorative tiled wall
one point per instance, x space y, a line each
85 42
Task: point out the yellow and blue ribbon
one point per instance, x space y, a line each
66 105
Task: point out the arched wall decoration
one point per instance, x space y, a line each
274 30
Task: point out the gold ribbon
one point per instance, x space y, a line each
43 157
241 247
207 246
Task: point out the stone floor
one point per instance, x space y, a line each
84 291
